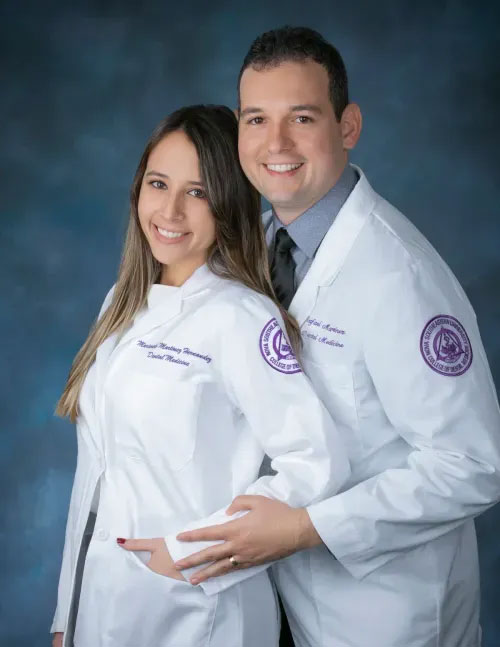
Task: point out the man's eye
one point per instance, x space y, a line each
158 184
303 119
255 121
197 193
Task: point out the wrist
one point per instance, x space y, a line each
308 536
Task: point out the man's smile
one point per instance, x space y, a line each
283 169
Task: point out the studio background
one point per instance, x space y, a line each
82 88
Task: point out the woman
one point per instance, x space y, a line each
184 383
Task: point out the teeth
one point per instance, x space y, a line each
169 234
282 168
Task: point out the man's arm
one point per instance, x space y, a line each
452 424
433 380
271 530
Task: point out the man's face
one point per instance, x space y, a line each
290 143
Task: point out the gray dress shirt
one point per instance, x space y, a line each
308 230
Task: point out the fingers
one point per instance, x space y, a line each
221 532
243 502
221 567
212 554
138 544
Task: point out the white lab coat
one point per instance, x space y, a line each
399 564
175 417
424 443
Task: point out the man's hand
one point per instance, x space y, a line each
160 561
270 531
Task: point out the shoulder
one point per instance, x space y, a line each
391 254
107 300
238 305
405 268
393 243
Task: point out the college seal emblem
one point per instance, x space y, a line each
276 350
445 346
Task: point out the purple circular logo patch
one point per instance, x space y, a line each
445 346
276 350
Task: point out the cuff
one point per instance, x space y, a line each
57 625
180 549
341 536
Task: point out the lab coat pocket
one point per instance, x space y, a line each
334 384
163 424
152 610
144 566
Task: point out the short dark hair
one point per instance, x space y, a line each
299 44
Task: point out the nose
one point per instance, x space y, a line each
278 139
172 207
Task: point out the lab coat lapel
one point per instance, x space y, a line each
334 248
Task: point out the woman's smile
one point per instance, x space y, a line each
169 237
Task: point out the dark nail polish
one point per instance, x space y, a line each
120 540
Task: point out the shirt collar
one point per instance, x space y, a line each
309 229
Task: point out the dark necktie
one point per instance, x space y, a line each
283 268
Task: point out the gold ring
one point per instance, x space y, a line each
234 562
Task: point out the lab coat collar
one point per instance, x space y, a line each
334 248
161 296
163 303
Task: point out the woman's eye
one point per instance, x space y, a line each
197 193
158 184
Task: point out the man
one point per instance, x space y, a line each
392 346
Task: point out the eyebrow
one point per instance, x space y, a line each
158 174
306 107
303 107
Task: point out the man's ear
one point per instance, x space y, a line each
351 123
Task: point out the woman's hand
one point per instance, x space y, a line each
160 561
57 639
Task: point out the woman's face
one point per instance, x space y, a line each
173 211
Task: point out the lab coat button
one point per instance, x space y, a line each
101 534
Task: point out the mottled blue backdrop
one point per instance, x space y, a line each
82 86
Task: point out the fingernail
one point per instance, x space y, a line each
120 540
194 581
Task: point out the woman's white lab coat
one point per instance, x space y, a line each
175 417
392 347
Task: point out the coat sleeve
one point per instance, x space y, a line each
446 411
287 418
65 576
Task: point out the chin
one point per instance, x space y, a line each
281 199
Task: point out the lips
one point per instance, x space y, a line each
283 169
167 235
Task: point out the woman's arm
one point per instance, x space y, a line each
286 416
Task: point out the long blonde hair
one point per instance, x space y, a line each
239 253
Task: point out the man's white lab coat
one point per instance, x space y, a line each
392 346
